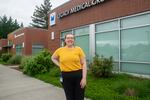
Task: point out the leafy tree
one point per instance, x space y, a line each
40 15
7 26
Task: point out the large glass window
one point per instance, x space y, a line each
65 32
107 39
107 44
135 68
81 31
107 26
135 21
135 44
36 48
19 49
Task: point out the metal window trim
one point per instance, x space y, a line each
136 62
139 26
119 25
106 31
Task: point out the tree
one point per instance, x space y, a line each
40 15
7 26
21 25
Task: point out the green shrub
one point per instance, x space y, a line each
38 64
30 66
6 56
43 60
24 62
102 67
15 59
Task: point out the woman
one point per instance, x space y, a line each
72 62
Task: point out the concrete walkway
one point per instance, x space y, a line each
16 86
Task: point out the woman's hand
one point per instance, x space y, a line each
83 83
84 72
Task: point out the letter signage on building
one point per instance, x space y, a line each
52 19
79 8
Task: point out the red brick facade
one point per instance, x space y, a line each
109 9
28 36
3 42
3 45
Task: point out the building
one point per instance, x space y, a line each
118 28
28 41
4 46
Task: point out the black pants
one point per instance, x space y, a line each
71 85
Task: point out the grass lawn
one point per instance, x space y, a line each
117 87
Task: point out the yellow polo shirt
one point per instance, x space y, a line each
69 58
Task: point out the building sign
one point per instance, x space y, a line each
19 35
52 35
79 8
52 19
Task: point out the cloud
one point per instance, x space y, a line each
22 10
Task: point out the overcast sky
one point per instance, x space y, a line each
22 10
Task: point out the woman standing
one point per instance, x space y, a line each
72 62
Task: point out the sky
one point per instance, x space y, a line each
22 10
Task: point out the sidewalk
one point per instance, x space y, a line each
16 86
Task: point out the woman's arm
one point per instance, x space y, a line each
55 60
84 73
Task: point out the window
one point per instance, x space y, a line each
107 39
36 48
107 44
135 68
108 26
19 49
135 44
135 21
